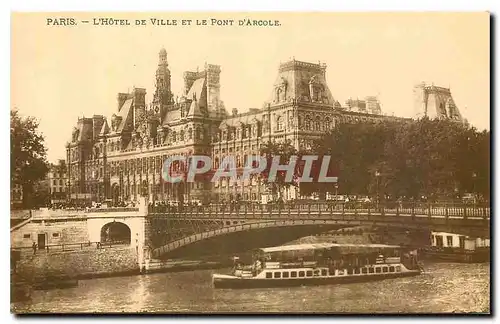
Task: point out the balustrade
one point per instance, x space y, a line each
316 209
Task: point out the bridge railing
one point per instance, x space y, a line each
70 247
387 208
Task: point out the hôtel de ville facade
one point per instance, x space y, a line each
121 158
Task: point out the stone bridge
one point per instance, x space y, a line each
158 231
173 228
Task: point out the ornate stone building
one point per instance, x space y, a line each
122 159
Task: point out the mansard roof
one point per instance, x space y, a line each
296 80
104 128
249 118
197 95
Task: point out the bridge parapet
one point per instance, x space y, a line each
253 210
46 213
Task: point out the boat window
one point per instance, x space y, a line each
309 273
286 274
364 270
384 269
277 275
378 270
302 273
269 275
391 269
341 272
398 269
323 272
349 271
293 274
357 271
371 270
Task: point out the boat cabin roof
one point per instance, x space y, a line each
319 246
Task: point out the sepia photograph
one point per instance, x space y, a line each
250 163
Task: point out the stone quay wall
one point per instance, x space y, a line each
87 263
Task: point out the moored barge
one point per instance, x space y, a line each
320 264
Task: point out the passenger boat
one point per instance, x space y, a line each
320 264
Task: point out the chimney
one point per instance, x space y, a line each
139 95
122 97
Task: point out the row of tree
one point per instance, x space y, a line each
401 158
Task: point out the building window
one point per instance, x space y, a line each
279 123
27 236
449 240
308 123
317 125
55 234
462 242
439 241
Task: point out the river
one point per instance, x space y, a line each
444 287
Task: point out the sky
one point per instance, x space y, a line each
60 73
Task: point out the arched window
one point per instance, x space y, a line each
190 134
174 136
182 136
328 123
317 124
279 123
308 122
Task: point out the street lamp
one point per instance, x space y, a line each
377 176
474 176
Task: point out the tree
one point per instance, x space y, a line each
28 154
408 158
285 151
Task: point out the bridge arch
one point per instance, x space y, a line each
114 232
173 245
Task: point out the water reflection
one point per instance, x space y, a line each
443 288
